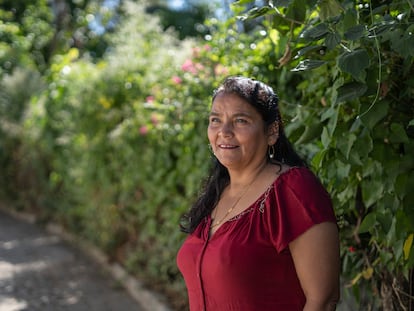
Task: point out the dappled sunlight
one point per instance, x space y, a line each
40 272
11 304
103 117
38 241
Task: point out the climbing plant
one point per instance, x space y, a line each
353 115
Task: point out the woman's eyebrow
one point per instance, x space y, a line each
242 114
237 114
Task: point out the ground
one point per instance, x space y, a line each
40 272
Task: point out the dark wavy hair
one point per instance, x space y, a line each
265 101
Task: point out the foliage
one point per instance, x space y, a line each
111 141
120 134
355 118
188 21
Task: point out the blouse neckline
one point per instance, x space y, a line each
262 198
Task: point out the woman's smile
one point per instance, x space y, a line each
226 146
236 132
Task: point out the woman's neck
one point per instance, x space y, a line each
240 179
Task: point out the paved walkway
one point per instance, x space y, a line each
40 272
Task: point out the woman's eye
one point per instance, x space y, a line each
214 120
241 121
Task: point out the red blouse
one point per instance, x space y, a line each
246 265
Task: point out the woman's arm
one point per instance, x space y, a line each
315 254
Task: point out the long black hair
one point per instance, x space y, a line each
265 101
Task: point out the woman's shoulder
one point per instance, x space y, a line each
294 173
300 178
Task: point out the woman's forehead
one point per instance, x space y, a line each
230 101
232 104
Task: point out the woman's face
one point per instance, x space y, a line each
236 132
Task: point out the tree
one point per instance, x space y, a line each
187 20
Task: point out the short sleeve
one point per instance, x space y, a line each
298 202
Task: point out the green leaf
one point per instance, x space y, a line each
400 185
317 160
375 114
385 220
354 63
255 12
384 28
311 132
367 223
371 168
411 123
332 40
380 10
347 194
315 33
356 125
363 145
346 143
342 169
397 246
308 64
325 138
354 33
333 120
372 191
350 19
297 10
307 49
329 8
403 43
329 113
350 91
398 134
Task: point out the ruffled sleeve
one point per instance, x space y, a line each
298 202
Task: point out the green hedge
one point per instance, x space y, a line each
116 149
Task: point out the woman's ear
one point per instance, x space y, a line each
273 133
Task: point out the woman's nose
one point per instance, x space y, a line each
226 129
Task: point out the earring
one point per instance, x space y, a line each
271 152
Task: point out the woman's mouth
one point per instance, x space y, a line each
227 146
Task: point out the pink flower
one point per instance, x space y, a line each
189 66
207 47
143 130
150 99
176 80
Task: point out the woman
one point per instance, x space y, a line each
262 235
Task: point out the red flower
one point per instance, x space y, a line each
352 249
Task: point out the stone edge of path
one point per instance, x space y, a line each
147 299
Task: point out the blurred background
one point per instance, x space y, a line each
103 114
